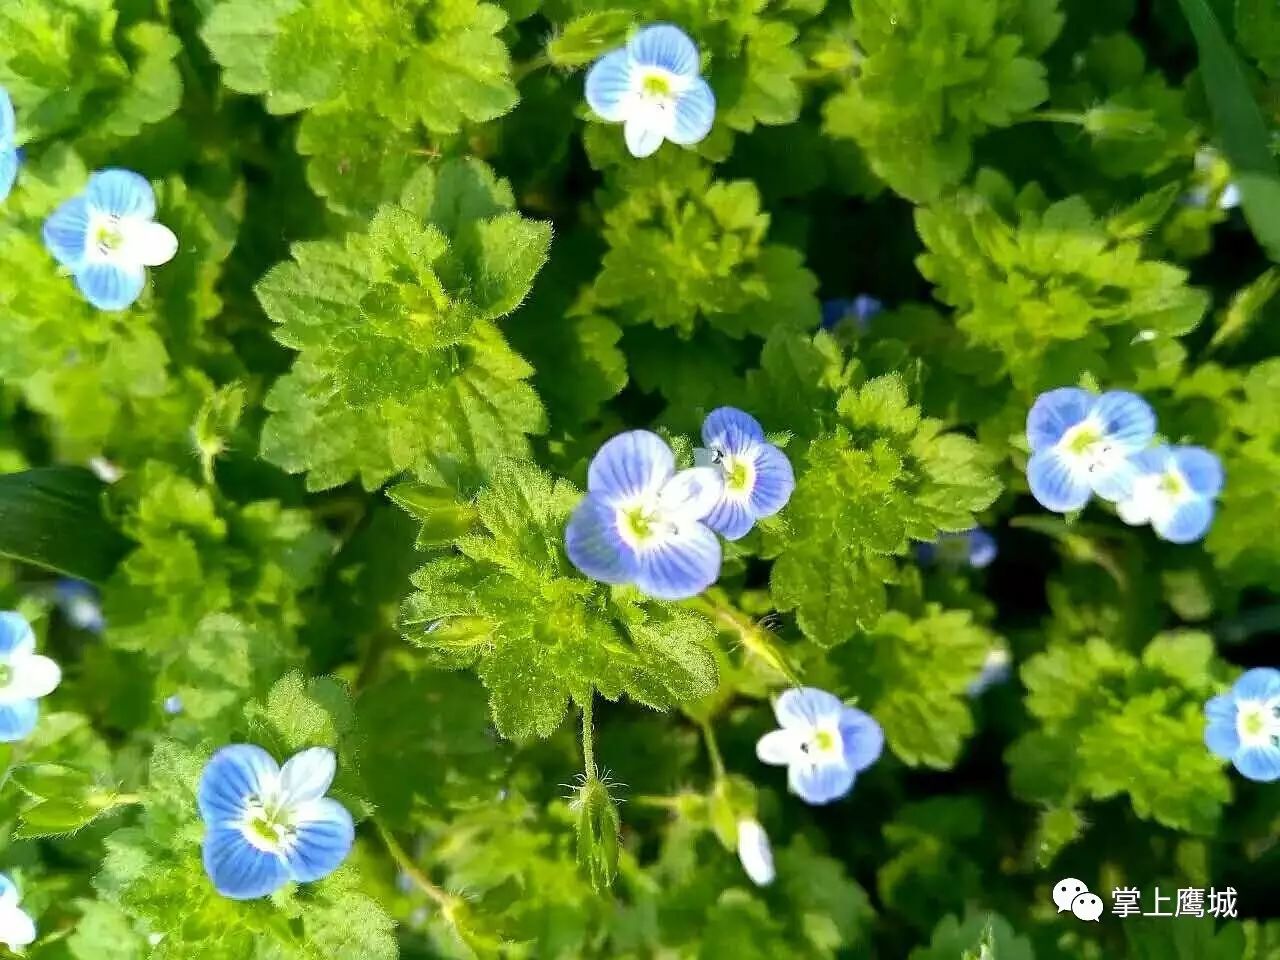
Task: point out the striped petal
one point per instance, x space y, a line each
111 286
732 518
1201 468
775 481
1188 522
608 86
630 465
1054 413
1220 733
595 545
17 719
729 430
66 232
231 776
665 46
1054 484
806 707
1127 420
694 115
121 193
862 737
681 565
307 775
1260 683
238 869
819 784
325 833
1259 763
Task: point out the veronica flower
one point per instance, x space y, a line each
107 237
172 705
1174 491
1243 725
17 929
996 669
268 825
25 677
642 522
758 479
10 157
755 852
1081 444
974 548
859 310
652 86
823 743
1212 170
79 604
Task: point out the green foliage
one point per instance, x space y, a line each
418 283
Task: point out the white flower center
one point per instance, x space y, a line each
644 523
1258 722
823 745
105 237
1088 448
657 87
267 824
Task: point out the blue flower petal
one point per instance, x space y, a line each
833 311
17 719
9 160
982 548
1220 732
1259 763
775 481
1054 484
807 707
238 869
121 193
1054 413
1127 419
665 46
629 465
66 232
819 783
1260 683
682 566
1115 482
595 546
695 114
863 738
730 518
110 286
8 121
324 838
729 430
16 636
231 775
608 84
1188 523
8 892
1201 467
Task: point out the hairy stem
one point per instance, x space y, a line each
411 870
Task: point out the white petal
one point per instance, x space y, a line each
647 125
306 776
691 494
147 242
34 676
17 929
780 748
755 853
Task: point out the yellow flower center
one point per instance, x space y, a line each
1253 723
1171 484
656 85
824 741
638 523
108 238
1081 443
737 476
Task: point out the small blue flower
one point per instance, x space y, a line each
643 523
758 479
79 603
652 86
107 237
974 548
25 677
17 929
996 669
1082 443
823 744
268 825
859 311
1174 491
10 156
1243 725
172 705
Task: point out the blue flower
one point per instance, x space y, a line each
652 86
25 677
10 157
172 705
1243 726
859 310
997 668
1174 490
974 548
758 479
268 825
642 522
17 929
107 237
79 604
823 744
1082 443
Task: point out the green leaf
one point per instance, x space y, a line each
1240 125
53 517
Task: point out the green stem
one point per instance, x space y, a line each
588 737
755 639
713 749
536 62
1055 116
411 870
